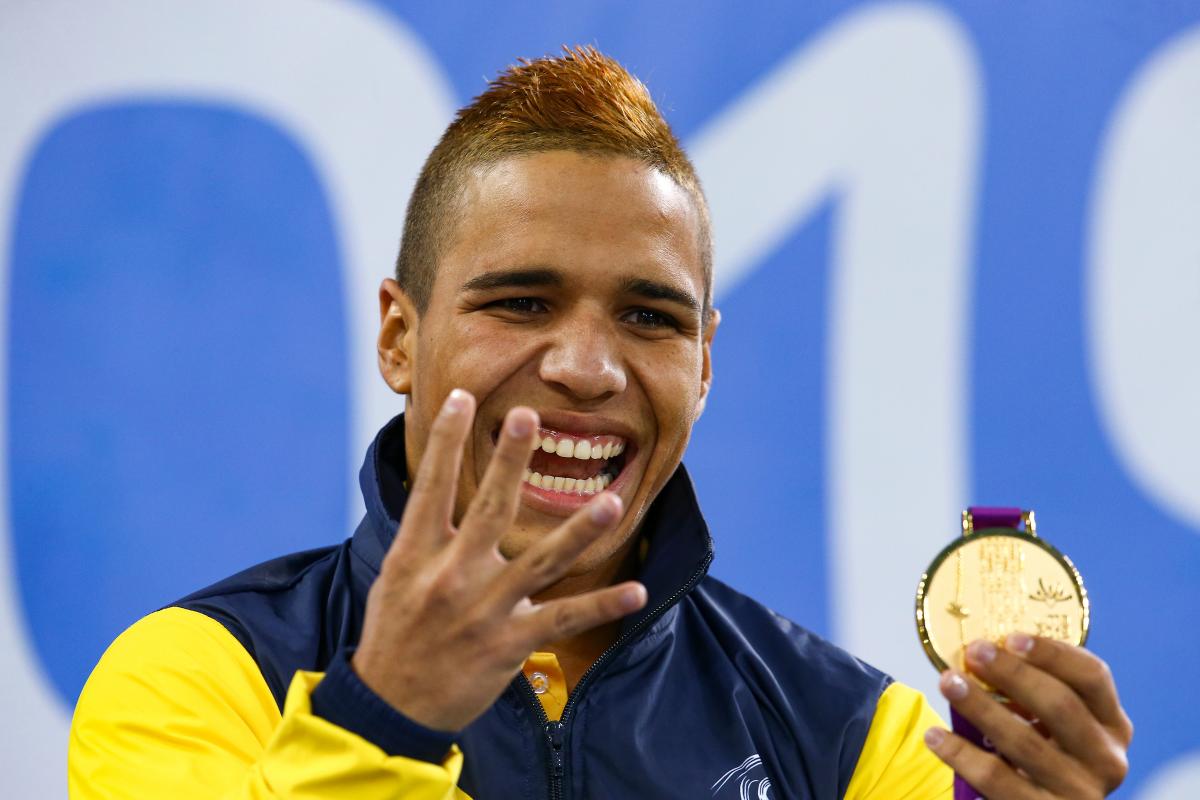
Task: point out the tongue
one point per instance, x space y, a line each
562 467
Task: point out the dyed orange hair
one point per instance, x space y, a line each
582 101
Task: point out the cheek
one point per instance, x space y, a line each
486 349
673 392
464 356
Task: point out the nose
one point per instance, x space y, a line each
584 360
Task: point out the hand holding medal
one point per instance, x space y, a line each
1004 606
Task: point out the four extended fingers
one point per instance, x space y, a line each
428 514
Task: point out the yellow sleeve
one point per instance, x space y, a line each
895 764
177 708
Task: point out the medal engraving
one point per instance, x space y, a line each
994 582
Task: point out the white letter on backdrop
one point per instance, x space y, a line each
366 114
1143 279
881 113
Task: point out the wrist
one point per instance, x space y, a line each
420 705
344 699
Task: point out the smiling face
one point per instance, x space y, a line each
572 284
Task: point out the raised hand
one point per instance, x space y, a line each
1071 694
449 621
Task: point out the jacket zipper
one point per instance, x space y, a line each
555 731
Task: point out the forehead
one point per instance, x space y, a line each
590 216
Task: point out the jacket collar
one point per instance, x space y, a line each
680 547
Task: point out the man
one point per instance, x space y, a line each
525 611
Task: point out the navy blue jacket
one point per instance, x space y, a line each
705 693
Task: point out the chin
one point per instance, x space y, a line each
597 555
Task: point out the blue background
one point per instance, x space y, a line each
179 408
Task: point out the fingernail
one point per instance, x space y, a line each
934 737
634 597
604 509
954 686
982 651
520 424
1019 643
456 402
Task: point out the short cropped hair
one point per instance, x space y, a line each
582 101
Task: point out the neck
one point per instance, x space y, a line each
577 654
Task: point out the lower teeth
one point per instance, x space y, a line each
568 485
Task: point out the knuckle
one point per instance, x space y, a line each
425 487
487 506
476 633
566 619
508 648
444 587
1010 667
952 748
1125 728
1065 705
541 566
991 771
393 567
1114 767
1097 675
1023 747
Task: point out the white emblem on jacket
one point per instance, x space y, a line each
750 779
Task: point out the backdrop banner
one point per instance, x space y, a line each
958 262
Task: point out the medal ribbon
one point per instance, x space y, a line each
995 517
962 789
982 517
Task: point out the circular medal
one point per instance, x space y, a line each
993 582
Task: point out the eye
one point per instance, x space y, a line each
649 318
519 305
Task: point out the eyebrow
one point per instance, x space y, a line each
653 290
541 276
507 278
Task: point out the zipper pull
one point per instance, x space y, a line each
554 732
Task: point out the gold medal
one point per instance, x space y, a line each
994 581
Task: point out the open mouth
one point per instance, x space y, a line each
580 464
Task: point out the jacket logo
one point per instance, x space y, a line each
746 781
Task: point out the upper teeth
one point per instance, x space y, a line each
589 448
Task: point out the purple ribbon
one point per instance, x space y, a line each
982 517
995 517
962 789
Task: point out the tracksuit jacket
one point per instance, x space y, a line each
244 690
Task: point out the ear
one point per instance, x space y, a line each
397 344
710 330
